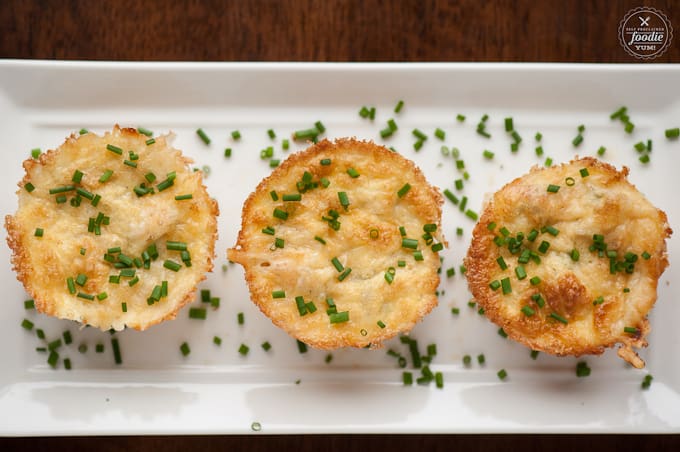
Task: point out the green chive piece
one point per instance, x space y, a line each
336 263
543 247
631 330
353 173
175 245
116 351
302 347
198 313
502 374
204 137
85 296
184 197
488 154
339 317
527 311
409 243
582 369
344 274
280 214
144 131
319 239
344 200
495 284
672 133
236 135
505 284
471 214
601 150
184 348
520 272
171 265
535 281
553 188
646 382
114 149
403 190
501 263
575 255
29 304
559 318
399 106
39 232
27 324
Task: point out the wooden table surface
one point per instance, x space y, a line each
583 31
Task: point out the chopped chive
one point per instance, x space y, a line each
488 154
116 351
198 313
85 296
409 243
280 214
29 304
631 330
27 325
203 136
439 133
353 173
319 239
495 284
502 374
63 189
535 281
471 214
325 162
501 263
306 134
575 255
553 188
451 197
527 311
175 245
336 263
38 232
403 190
184 348
520 272
339 317
344 274
559 318
171 265
505 284
418 255
184 197
672 133
543 247
582 369
646 382
302 347
399 106
114 149
344 200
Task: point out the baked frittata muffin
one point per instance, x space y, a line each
340 245
566 260
112 231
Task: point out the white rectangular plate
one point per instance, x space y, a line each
156 390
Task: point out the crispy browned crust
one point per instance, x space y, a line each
602 203
42 273
267 270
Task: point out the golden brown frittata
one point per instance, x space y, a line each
340 244
112 231
567 259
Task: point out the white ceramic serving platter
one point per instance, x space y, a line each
157 390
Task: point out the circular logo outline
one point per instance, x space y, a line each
661 16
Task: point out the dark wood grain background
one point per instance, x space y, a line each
329 30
